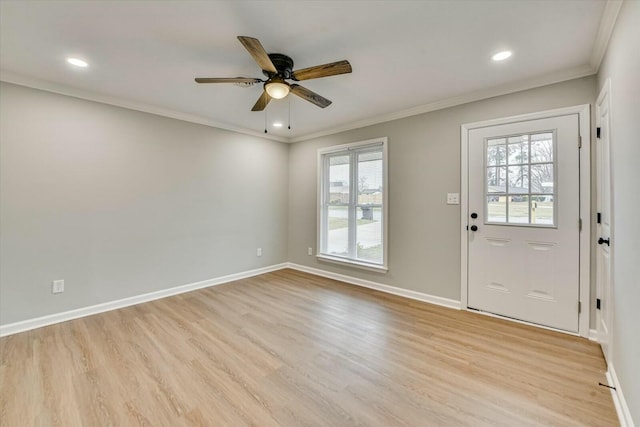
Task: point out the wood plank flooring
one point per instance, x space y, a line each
292 349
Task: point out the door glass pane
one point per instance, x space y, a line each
518 153
338 180
370 178
542 148
369 234
338 230
518 209
497 179
496 208
518 180
496 152
542 178
542 209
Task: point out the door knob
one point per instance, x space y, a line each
474 228
601 241
474 215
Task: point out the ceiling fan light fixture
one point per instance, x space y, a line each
277 88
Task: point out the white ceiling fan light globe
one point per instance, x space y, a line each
277 90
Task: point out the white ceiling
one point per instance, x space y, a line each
406 55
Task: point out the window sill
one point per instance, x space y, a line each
352 263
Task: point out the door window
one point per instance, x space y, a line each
520 180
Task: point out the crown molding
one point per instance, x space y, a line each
35 83
547 79
607 23
573 73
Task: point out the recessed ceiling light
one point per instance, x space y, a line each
501 56
77 62
277 125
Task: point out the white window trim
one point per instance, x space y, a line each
385 206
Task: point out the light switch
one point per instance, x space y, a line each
453 198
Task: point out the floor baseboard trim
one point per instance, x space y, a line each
431 299
593 335
27 325
624 414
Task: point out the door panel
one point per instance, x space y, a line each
603 204
523 259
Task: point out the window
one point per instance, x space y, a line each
520 180
353 203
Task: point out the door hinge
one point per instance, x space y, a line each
599 218
579 307
579 224
598 304
580 141
598 132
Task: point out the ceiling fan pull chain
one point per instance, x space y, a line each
265 120
289 127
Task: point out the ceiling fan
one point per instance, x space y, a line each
278 68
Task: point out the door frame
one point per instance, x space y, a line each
584 123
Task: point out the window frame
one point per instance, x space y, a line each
322 188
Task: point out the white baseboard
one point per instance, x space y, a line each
432 299
624 415
26 325
593 335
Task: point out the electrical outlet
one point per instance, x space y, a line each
259 252
57 286
453 198
310 251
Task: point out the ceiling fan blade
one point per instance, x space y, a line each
310 96
262 102
227 80
326 70
258 53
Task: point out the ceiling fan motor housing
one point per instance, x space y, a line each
284 65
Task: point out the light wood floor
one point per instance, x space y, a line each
292 349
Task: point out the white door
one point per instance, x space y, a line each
603 219
524 208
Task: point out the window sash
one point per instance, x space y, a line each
352 205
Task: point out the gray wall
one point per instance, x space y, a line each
424 164
119 203
622 65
